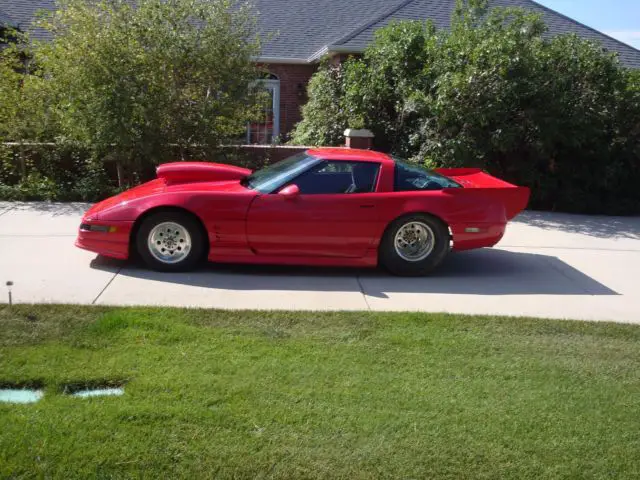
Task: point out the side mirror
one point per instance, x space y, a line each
290 192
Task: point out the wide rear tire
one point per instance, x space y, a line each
170 242
414 245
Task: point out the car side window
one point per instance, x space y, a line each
335 177
414 177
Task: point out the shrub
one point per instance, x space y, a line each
25 107
68 171
325 117
560 115
152 75
52 172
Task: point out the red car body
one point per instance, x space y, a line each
245 226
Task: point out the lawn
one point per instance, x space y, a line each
213 394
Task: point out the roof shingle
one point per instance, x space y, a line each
6 19
440 11
299 30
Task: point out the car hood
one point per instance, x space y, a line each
180 178
153 187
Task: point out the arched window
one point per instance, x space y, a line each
267 129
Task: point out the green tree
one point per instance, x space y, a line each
324 114
133 81
559 115
24 101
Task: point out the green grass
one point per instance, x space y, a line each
213 394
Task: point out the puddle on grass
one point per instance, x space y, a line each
98 392
102 388
20 395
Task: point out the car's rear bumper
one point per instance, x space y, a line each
114 243
469 236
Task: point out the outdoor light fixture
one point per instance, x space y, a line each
9 285
301 90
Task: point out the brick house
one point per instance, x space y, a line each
304 31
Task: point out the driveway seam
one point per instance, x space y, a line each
106 286
364 295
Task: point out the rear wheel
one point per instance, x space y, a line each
414 245
170 241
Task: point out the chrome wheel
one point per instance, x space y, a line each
169 242
414 241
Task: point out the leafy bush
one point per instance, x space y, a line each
25 109
52 172
152 76
560 115
324 115
70 172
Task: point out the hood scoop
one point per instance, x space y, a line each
190 172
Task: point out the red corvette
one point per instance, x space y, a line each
326 206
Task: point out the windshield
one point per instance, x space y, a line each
410 177
274 176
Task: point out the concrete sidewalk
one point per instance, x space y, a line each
548 265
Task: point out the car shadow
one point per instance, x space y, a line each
591 225
479 272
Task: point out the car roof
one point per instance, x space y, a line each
349 155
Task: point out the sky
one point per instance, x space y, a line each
617 18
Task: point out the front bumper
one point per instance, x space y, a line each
108 239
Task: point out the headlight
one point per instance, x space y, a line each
97 228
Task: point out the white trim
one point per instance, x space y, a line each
275 107
329 49
274 86
319 54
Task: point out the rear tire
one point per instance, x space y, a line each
170 242
414 245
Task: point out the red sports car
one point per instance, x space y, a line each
325 206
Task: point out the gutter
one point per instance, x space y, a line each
326 50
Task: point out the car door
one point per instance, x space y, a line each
331 216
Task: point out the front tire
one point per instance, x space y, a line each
170 241
414 245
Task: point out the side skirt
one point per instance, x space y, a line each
369 260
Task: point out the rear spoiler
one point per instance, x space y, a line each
515 199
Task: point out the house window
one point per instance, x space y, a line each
267 129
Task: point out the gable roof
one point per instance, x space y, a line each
300 28
301 31
440 13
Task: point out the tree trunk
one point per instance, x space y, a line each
121 176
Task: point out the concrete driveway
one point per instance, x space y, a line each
548 265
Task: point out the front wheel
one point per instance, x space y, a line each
170 241
414 245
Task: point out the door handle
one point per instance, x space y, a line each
367 206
